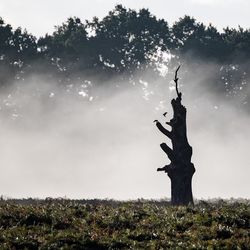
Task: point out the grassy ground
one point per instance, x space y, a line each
101 224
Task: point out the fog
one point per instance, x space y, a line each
87 141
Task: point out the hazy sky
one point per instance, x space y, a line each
40 16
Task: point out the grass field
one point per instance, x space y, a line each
107 224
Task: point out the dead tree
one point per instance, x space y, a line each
181 169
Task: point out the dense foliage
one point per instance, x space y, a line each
97 224
124 44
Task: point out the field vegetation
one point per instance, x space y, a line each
107 224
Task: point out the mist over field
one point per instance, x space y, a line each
92 156
88 140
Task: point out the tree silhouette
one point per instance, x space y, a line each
125 39
124 44
181 169
17 51
67 48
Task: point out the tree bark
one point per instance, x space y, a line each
181 169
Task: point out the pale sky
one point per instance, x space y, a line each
40 16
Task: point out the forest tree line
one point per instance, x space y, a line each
125 44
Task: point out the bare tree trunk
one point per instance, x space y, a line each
181 169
